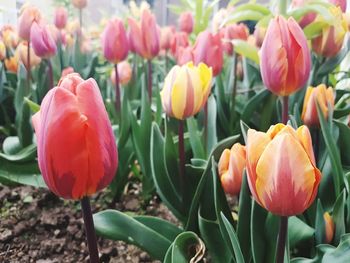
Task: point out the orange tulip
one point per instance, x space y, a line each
77 151
61 16
324 97
124 73
186 22
9 36
231 166
80 4
22 52
282 173
11 64
285 57
29 15
329 226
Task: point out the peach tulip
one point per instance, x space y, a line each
9 36
208 49
186 90
115 41
285 57
186 22
11 64
166 35
29 15
282 173
231 32
67 71
60 19
231 166
22 55
77 152
124 73
42 41
80 4
329 227
321 95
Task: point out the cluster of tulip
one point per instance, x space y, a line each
276 78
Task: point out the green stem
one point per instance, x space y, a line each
149 62
234 85
81 18
117 90
28 68
282 236
50 73
182 159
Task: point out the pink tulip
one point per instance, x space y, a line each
44 44
61 16
166 37
180 40
115 41
185 55
285 57
231 32
124 73
29 15
67 71
186 22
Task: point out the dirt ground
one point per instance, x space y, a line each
36 226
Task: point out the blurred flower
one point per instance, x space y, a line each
2 50
329 227
85 46
144 37
29 15
42 41
285 57
309 17
324 97
124 73
218 19
231 166
339 3
115 41
77 151
184 55
259 34
73 27
282 173
231 32
186 22
166 36
179 40
208 49
61 16
186 90
22 54
9 36
331 40
137 11
11 64
80 4
67 71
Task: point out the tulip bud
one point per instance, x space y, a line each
29 15
61 16
321 95
233 31
2 50
115 41
80 4
331 40
11 64
208 50
329 227
281 168
186 22
231 166
180 40
285 57
77 152
186 90
124 73
166 36
22 55
43 43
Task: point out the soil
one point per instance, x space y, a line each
36 226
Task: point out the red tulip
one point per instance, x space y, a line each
233 31
77 152
29 15
208 49
186 22
115 41
61 16
43 43
180 40
285 57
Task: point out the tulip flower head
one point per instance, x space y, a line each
233 31
43 42
61 16
282 173
22 55
166 37
77 152
329 226
186 90
285 57
231 166
179 40
124 73
184 55
115 41
321 95
80 4
186 22
11 64
29 15
9 36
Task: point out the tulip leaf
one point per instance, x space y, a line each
242 15
314 29
253 104
222 105
124 123
246 50
25 154
254 7
154 235
339 217
196 144
344 141
212 138
258 244
272 223
11 145
298 231
187 247
32 105
326 14
320 228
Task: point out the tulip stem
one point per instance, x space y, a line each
234 85
285 109
117 90
28 68
90 230
149 62
60 52
182 158
282 235
206 126
81 18
50 73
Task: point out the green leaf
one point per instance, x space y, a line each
246 50
339 217
320 228
314 29
124 123
326 14
253 104
243 15
298 231
257 233
25 154
195 141
212 136
344 141
34 107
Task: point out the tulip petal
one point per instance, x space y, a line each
305 140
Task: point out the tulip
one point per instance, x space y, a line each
22 55
61 16
309 17
186 90
114 41
339 3
285 57
231 32
166 36
329 227
43 43
218 19
77 152
2 50
11 64
9 36
80 4
67 71
124 73
208 50
29 15
259 34
331 40
282 173
145 38
321 95
185 55
231 165
186 22
180 40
